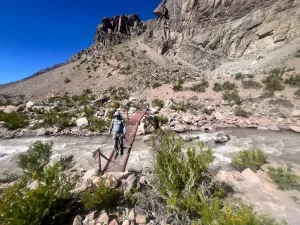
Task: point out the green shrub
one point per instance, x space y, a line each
67 80
158 103
232 96
251 84
13 120
238 111
82 99
87 91
201 87
58 119
238 76
273 82
98 124
180 176
284 178
37 157
266 94
179 107
49 202
162 119
99 197
252 159
293 80
117 94
226 86
178 85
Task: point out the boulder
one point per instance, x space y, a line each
10 109
82 122
129 184
295 129
89 219
103 219
262 128
90 174
141 219
187 119
114 222
77 220
126 222
179 128
147 138
218 116
221 138
131 215
273 128
189 138
296 113
29 105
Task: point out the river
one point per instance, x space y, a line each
284 146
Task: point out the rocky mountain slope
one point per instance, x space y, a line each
194 37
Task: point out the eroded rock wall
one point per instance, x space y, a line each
207 33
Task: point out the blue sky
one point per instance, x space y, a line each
35 34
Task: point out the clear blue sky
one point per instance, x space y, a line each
35 34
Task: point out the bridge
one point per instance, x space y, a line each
119 164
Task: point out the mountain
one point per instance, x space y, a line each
189 38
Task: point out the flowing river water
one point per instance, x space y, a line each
283 146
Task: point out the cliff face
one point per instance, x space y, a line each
207 33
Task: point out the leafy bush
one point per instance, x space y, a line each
251 84
98 124
201 87
67 80
238 76
184 182
252 159
49 202
238 111
117 94
179 107
82 99
37 157
187 172
99 196
293 80
226 86
162 119
13 120
158 103
273 82
177 86
61 120
284 178
232 96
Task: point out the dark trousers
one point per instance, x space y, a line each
118 140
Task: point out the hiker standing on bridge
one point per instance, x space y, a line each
118 129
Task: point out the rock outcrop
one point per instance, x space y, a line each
112 31
208 33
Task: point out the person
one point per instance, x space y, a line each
118 130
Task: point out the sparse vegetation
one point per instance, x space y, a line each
117 94
238 111
252 159
48 203
273 82
158 103
178 85
13 120
200 87
188 190
297 55
251 84
226 86
297 93
232 96
156 85
293 80
99 196
284 178
238 76
67 80
53 118
208 111
162 119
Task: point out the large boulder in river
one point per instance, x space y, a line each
82 122
295 129
221 138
